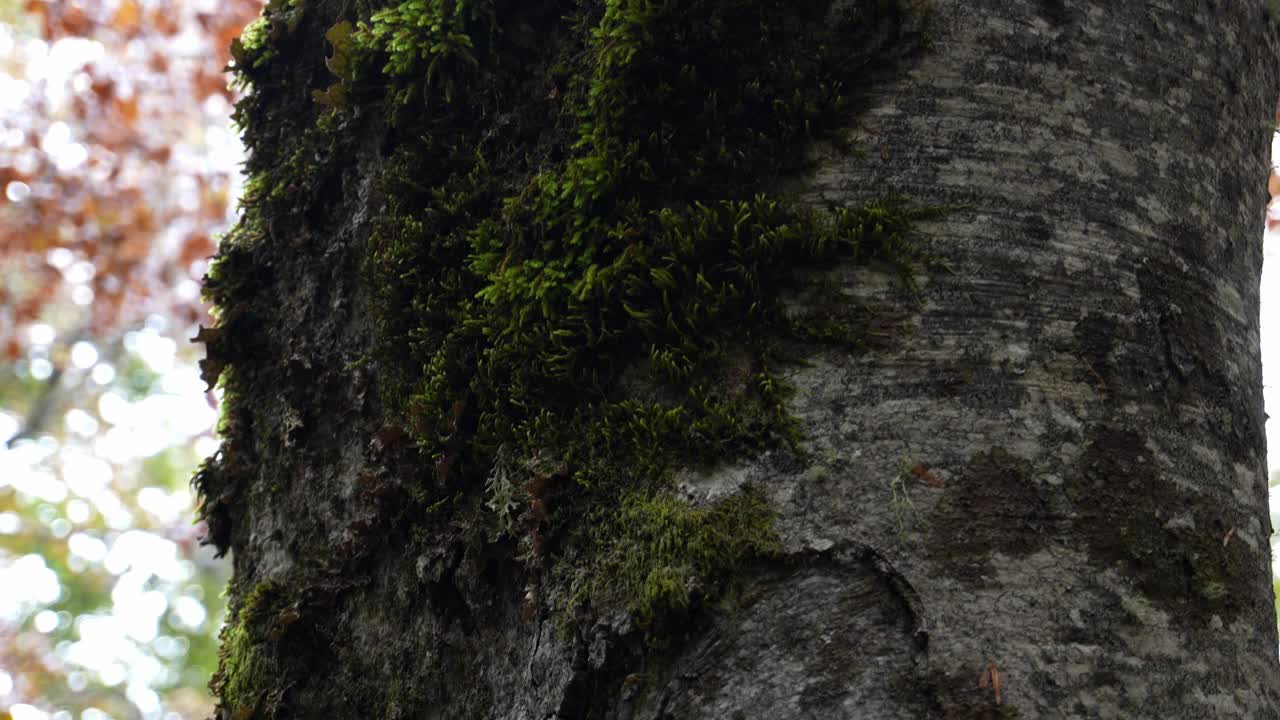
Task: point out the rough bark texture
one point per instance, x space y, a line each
1043 494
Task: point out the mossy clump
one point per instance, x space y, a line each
246 656
428 40
658 556
256 47
291 168
252 49
584 256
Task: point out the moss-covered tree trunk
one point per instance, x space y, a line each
746 359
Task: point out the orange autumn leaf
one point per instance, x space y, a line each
127 108
127 16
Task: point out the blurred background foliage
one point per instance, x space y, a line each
118 167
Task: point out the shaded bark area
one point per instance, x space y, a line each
1050 464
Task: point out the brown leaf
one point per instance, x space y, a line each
990 678
127 108
538 510
445 462
164 21
929 477
390 436
103 87
281 623
538 485
74 21
530 606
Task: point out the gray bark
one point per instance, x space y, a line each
1086 382
1044 496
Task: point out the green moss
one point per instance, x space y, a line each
598 273
256 47
658 555
252 49
246 658
582 255
245 669
428 39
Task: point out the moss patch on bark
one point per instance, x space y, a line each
579 262
583 262
246 658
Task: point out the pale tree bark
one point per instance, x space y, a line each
1041 494
1086 380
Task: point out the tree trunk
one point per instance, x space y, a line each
576 365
